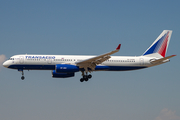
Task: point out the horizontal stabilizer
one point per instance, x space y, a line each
165 59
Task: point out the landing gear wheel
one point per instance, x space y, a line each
81 80
22 77
89 76
86 79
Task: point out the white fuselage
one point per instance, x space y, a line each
48 62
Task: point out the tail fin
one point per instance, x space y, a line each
159 46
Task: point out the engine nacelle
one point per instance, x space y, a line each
65 68
61 75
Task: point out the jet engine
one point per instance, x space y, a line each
62 75
65 68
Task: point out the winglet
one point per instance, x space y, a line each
118 47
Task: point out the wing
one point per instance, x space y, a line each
92 62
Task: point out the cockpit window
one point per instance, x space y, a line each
11 58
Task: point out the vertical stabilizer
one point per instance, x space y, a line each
159 46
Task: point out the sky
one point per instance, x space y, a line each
94 27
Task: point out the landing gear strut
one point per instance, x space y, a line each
85 77
22 78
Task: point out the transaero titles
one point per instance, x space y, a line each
40 57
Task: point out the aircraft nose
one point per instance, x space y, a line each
5 64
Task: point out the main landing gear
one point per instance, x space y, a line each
85 77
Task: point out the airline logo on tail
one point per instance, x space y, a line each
160 45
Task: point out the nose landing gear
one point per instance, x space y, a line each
21 70
22 77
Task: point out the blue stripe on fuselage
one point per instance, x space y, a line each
118 68
33 67
98 68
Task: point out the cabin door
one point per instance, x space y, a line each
21 59
49 61
141 61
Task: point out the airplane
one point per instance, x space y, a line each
64 66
